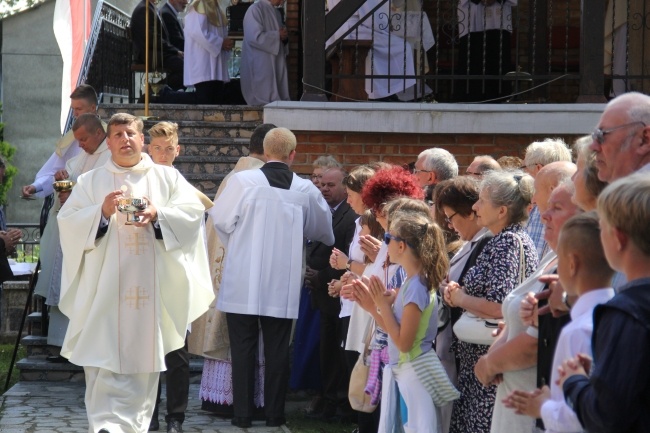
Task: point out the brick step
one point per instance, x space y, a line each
40 369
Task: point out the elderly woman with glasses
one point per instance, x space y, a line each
507 259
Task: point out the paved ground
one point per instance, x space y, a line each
58 407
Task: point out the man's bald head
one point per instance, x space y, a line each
548 177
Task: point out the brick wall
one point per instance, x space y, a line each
352 149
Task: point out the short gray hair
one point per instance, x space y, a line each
326 161
547 151
439 161
512 189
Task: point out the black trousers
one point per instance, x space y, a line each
243 330
174 66
483 53
209 92
178 384
334 377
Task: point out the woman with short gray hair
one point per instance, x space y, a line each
507 259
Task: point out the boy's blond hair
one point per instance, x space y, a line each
625 204
168 130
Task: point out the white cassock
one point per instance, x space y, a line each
49 280
130 297
204 60
263 67
264 229
392 52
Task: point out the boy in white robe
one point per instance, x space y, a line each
130 290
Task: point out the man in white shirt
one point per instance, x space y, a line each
82 100
263 217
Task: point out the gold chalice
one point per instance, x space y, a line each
63 185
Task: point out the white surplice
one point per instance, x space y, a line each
204 59
130 297
263 229
49 281
263 67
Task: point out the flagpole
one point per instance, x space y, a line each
146 62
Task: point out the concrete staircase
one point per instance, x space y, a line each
212 139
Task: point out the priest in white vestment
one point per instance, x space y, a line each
89 133
263 217
263 66
130 290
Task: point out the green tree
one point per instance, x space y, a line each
7 152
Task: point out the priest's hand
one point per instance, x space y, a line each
284 34
109 207
148 215
61 175
63 196
227 44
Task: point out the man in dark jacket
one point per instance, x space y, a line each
319 273
169 13
169 58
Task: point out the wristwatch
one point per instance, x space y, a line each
565 300
348 265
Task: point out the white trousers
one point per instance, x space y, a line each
119 403
423 416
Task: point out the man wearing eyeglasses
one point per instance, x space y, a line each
432 167
622 140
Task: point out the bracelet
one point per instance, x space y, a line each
565 300
348 265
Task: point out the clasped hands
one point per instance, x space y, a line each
452 293
11 237
109 207
369 293
529 310
530 402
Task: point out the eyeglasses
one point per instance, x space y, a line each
388 237
599 134
450 217
524 167
416 171
473 173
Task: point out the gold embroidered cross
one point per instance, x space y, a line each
136 244
136 297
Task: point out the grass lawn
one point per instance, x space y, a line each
6 350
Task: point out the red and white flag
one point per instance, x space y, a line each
71 29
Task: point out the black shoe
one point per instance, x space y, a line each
174 426
57 359
103 431
276 422
154 425
242 421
